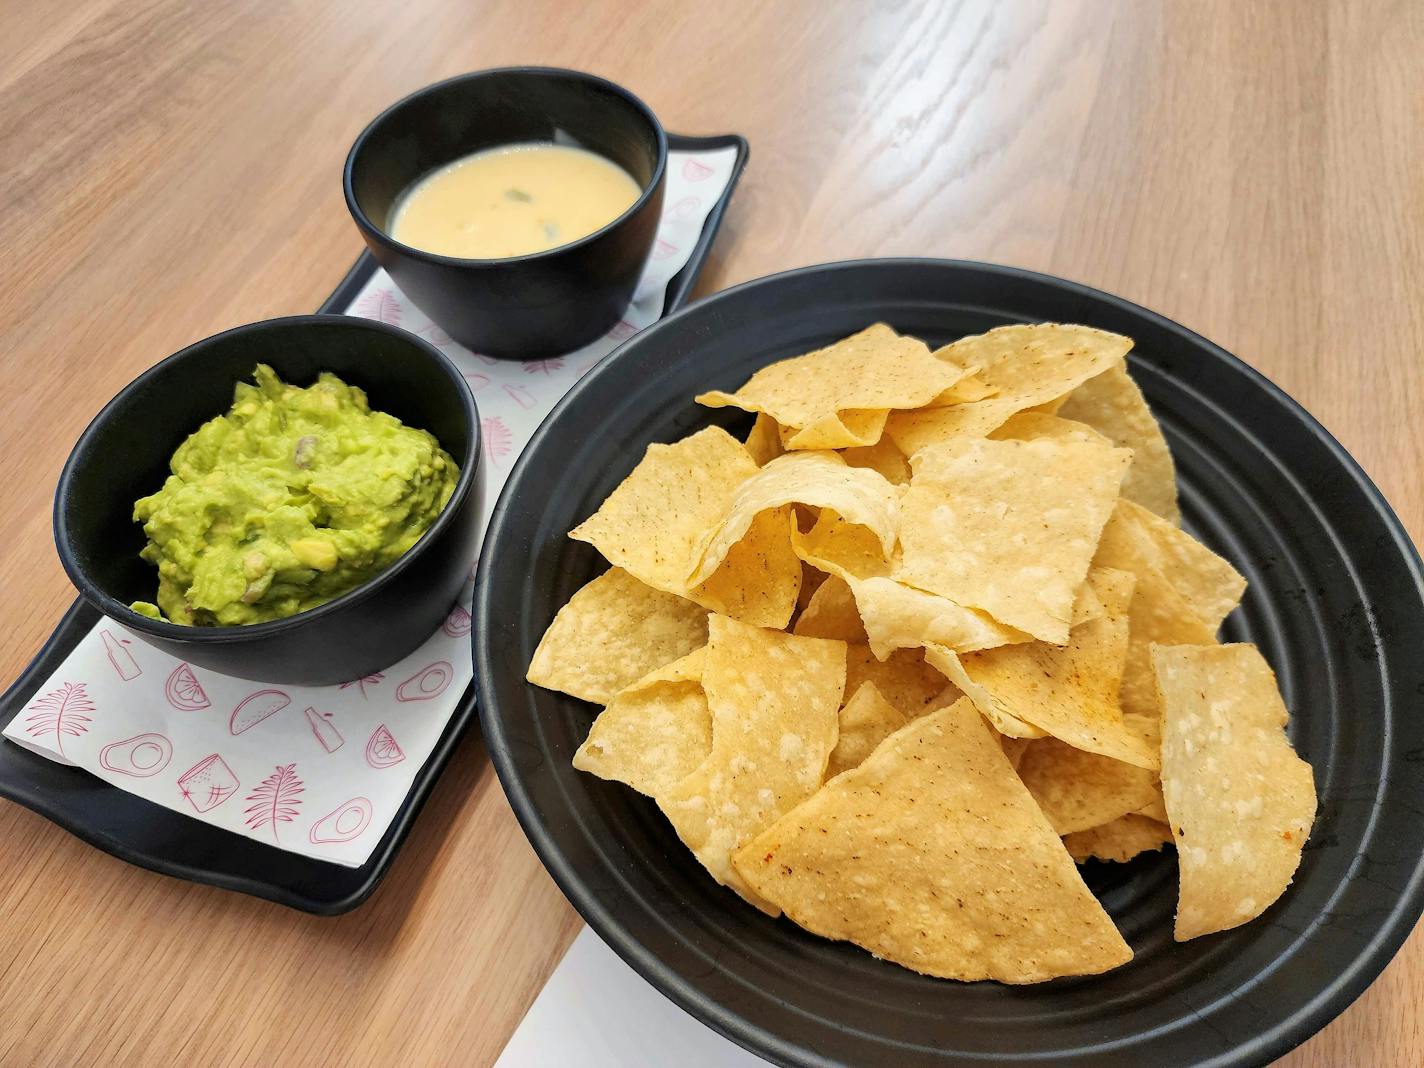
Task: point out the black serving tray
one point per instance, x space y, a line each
162 840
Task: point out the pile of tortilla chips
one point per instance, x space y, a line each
927 640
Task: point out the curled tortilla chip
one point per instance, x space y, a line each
1079 790
654 733
774 700
818 479
654 523
908 856
1240 801
883 457
612 632
841 548
1068 691
811 579
866 720
838 396
1008 527
1026 366
1112 404
1118 841
831 613
763 442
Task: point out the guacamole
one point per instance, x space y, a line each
294 497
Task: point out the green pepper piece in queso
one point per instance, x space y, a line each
294 497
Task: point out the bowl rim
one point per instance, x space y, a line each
1336 993
376 233
251 632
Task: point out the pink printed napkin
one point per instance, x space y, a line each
322 771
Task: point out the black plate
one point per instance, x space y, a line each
162 840
1336 603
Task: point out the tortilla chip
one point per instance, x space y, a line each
866 720
1119 841
932 854
1067 691
1140 539
1026 426
841 548
1157 810
883 457
1008 527
1208 583
654 733
997 712
831 613
1079 790
903 678
1048 407
1112 404
899 617
851 428
774 700
1241 802
613 632
817 479
811 579
1137 540
1014 748
971 387
763 443
654 523
839 396
1025 365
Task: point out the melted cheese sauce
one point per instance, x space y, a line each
513 200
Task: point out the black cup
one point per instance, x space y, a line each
523 307
124 455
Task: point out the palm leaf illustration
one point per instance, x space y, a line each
275 800
64 710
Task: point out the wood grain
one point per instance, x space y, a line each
1253 170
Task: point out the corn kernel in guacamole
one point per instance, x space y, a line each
294 497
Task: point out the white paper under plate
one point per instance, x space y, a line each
597 1012
321 771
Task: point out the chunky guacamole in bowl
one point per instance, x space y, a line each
294 497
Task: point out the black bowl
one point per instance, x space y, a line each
1336 603
523 307
124 454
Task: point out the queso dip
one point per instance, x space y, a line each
513 200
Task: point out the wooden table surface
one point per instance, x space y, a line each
1253 170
